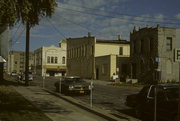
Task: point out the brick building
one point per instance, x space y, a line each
152 54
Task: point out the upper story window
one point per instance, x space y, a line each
141 46
120 50
63 60
92 50
52 59
48 59
169 43
56 59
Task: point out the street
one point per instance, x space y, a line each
107 97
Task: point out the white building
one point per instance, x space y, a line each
51 61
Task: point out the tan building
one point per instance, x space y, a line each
94 59
51 61
16 61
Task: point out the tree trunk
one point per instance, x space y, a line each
27 54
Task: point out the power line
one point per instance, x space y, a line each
55 28
19 36
89 30
110 16
16 30
128 15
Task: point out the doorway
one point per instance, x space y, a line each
97 73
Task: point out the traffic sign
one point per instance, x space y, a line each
157 59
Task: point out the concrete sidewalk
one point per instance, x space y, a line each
59 109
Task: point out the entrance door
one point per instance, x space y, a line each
97 73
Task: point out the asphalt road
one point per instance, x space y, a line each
106 97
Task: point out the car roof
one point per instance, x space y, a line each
169 85
71 77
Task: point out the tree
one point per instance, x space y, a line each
29 12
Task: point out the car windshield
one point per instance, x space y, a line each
172 93
74 80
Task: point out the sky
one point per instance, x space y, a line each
104 19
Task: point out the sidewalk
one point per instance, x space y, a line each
13 107
57 109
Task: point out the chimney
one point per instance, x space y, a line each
89 34
119 37
134 29
158 26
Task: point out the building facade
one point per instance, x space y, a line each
4 48
16 62
87 56
4 41
51 61
152 54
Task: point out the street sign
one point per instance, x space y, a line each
177 55
157 59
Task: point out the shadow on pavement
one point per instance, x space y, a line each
14 107
49 107
129 112
9 83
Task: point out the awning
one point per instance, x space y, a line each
2 60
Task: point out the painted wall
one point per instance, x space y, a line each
102 49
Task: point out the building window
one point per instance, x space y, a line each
82 50
21 62
48 59
21 66
121 51
134 47
85 50
56 59
169 43
52 59
92 50
151 44
141 46
63 60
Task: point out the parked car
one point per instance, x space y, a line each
72 85
167 102
30 76
14 74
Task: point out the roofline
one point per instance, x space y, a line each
113 41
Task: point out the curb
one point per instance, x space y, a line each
95 110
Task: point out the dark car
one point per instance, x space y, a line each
166 102
22 76
72 85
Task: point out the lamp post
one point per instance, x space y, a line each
44 69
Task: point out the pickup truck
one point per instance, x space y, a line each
143 103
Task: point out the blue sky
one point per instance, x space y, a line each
105 19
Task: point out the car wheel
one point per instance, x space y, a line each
138 111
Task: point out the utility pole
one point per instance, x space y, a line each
27 54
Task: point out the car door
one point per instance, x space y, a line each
148 112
